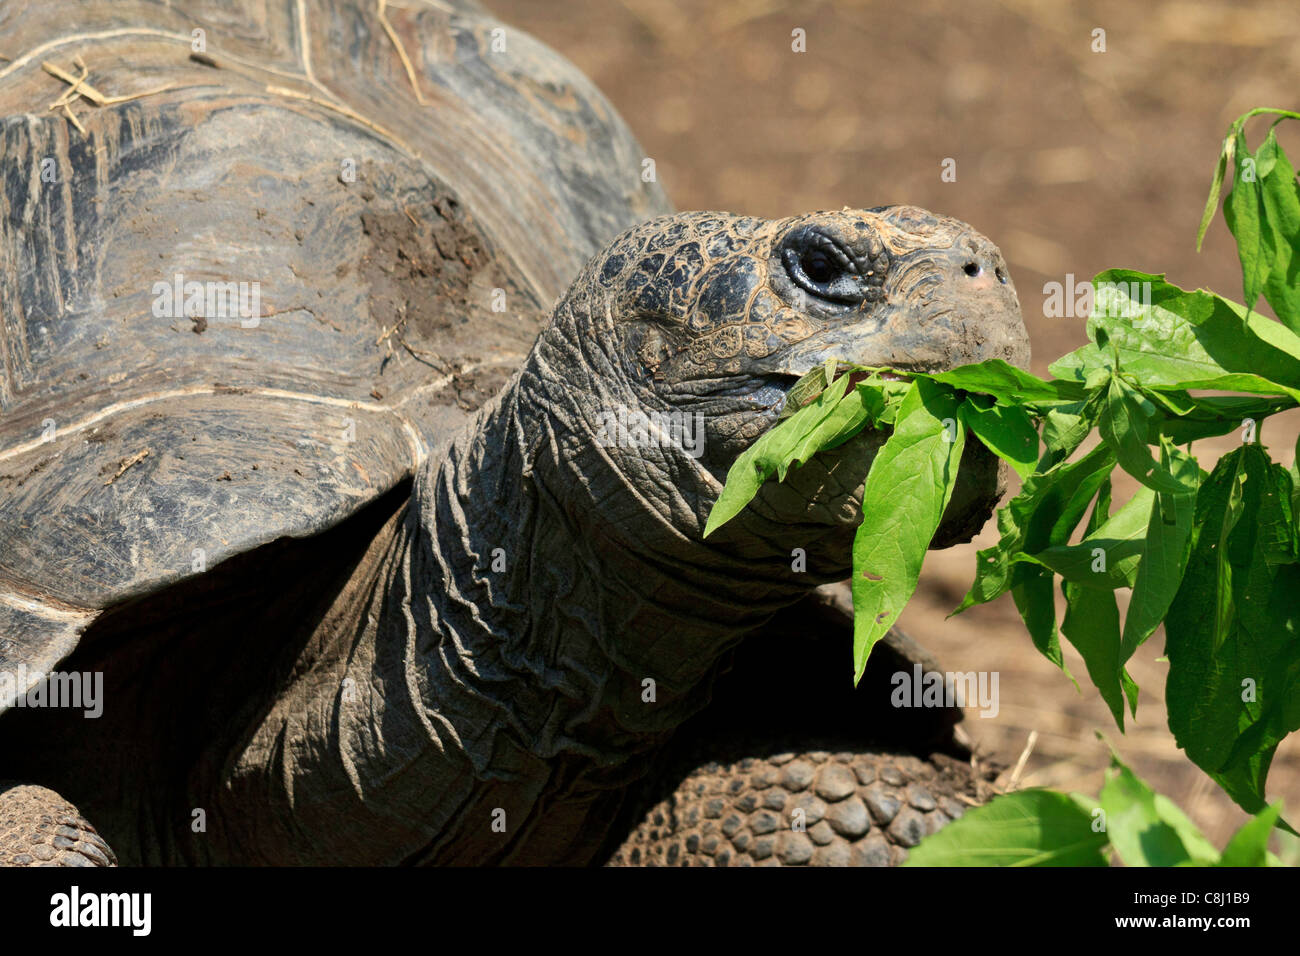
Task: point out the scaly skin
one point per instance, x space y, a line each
522 690
800 808
40 828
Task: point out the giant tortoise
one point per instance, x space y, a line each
363 404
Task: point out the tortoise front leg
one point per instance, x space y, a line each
40 828
792 766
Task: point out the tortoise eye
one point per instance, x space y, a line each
818 266
816 263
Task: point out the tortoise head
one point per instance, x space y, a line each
710 318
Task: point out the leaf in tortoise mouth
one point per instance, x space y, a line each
814 382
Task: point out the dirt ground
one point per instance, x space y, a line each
1071 160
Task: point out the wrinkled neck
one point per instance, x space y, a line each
571 576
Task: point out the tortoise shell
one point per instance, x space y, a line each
256 263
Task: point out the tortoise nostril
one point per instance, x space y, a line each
972 269
1001 274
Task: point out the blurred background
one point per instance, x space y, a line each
1071 160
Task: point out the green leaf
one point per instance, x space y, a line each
993 566
1050 504
1043 515
1092 623
1065 428
893 393
1212 202
1125 426
1031 589
1006 430
775 449
1295 484
1164 336
1249 845
1007 383
1242 211
1074 366
1233 630
855 412
1213 415
1165 552
1025 828
915 470
1281 231
1122 540
811 384
846 418
1236 382
1146 828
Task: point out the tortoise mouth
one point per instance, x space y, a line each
786 381
826 492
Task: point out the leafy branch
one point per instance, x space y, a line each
1128 820
1214 556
